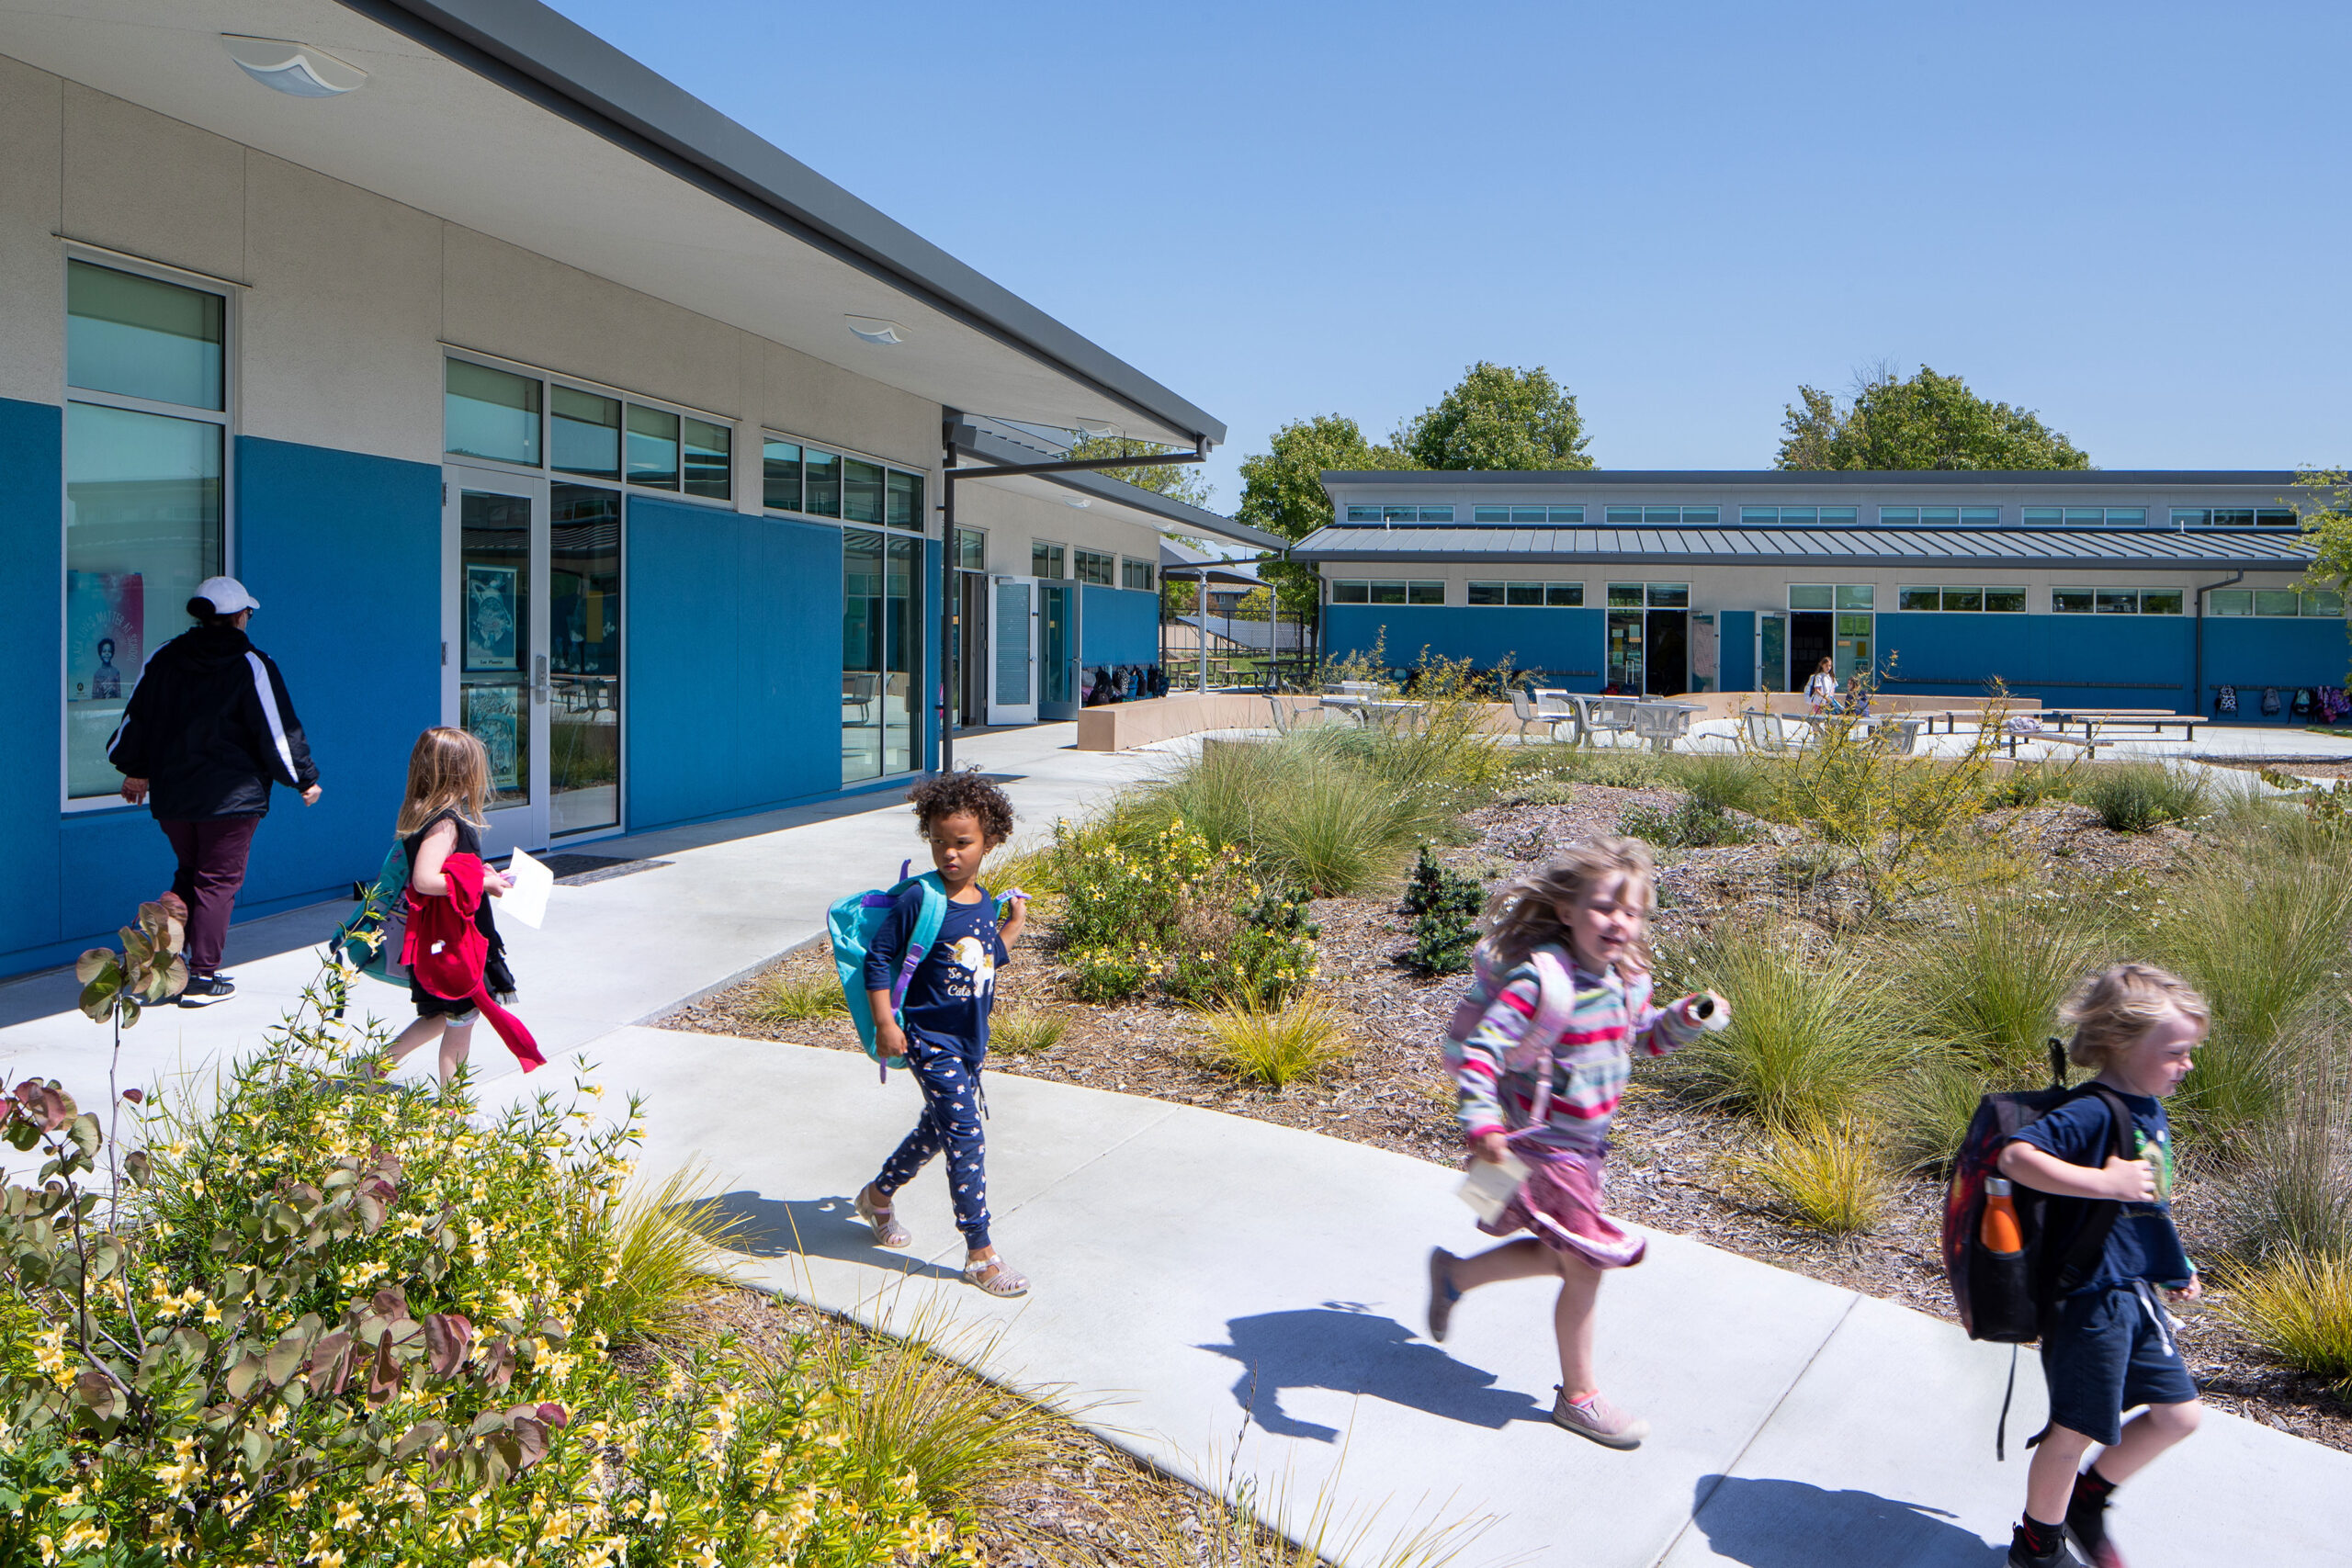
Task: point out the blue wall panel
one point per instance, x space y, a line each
1488 636
1736 650
1117 625
32 566
344 551
733 686
2252 652
2133 661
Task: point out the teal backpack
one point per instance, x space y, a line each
851 925
372 936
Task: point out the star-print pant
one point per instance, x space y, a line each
951 1118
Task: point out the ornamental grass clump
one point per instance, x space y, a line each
1024 1031
1824 1173
1177 915
2298 1306
1276 1046
799 997
2139 797
324 1321
1690 824
1986 985
1811 1036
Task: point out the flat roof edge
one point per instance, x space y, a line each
1814 478
1181 516
542 55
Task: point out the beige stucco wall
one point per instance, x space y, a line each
1755 587
1015 520
348 296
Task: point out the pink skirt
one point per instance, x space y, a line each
1559 1205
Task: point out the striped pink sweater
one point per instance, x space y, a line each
1498 1058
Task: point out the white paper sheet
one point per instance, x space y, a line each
528 900
1488 1188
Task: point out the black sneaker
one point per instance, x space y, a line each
2087 1527
203 990
2023 1555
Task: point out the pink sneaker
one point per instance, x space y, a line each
1600 1420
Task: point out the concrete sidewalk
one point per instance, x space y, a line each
1237 1301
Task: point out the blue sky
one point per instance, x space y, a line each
2129 217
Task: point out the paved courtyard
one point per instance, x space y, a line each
1231 1299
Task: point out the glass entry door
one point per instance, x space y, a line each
1772 651
1057 650
494 658
1012 651
584 689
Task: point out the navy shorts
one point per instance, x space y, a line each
2107 1353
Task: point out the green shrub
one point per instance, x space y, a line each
1809 1037
324 1321
2264 939
1277 1047
2032 783
1025 1031
1445 906
2137 798
1989 983
668 1247
798 998
2299 1307
2292 1188
1196 920
1729 781
1929 1106
1826 1175
1690 824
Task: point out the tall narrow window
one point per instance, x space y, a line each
780 475
143 490
904 504
861 491
584 658
822 479
710 450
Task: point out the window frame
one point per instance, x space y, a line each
1061 559
228 418
843 456
545 468
1544 591
1129 566
1406 587
1108 564
2098 594
1752 516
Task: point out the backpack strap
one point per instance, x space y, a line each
928 920
2099 1215
1556 1008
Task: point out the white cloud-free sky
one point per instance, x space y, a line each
2130 218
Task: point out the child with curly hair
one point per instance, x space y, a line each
942 1028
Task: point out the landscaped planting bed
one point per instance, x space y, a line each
1940 962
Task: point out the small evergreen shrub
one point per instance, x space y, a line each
1445 906
2138 798
1690 824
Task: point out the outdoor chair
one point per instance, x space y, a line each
1660 724
858 691
1614 715
1765 731
1903 735
1528 709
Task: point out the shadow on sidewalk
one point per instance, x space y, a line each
812 1227
1790 1524
1341 1346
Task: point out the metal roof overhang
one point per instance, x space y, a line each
508 118
2105 549
1822 480
1134 502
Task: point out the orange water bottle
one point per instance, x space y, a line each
1999 1230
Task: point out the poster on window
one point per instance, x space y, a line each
491 636
106 620
493 715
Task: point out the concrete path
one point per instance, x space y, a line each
1237 1300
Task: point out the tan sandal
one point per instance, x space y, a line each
996 1277
887 1231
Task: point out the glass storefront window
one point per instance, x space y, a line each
1046 561
652 448
2230 601
861 491
584 658
583 434
2160 602
972 549
489 413
1856 596
709 460
1136 574
2004 600
1625 595
904 506
821 481
140 337
1094 566
143 528
1809 596
780 475
494 669
881 635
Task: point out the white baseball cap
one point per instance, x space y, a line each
226 595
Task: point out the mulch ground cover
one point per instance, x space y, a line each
1674 1160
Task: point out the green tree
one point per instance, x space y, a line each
1498 417
1281 492
1927 421
1178 481
2327 506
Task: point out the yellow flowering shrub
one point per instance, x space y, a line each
329 1324
1199 922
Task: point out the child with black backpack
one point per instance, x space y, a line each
2106 1342
941 1026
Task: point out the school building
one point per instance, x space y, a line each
2147 590
527 394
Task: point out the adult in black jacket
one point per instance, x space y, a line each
208 729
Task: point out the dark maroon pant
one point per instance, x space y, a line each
212 868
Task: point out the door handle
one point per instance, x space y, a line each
539 680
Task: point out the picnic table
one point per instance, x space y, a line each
2093 720
1662 724
1369 707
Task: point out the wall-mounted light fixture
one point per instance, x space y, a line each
1095 432
1081 502
294 69
873 329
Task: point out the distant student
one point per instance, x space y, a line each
448 786
2111 1346
1541 1048
948 999
1821 690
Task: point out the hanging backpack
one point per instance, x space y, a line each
2271 705
2226 700
2006 1294
2302 707
373 934
851 925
